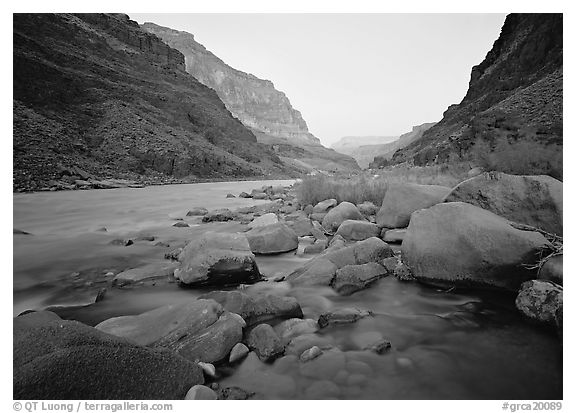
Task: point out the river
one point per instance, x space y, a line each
445 344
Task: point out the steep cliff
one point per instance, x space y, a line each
514 99
256 103
97 93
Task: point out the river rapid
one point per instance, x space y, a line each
445 344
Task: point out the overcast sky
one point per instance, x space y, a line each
351 74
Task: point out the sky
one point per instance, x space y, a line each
351 74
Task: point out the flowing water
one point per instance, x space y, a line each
445 344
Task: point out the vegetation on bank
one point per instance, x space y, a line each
358 189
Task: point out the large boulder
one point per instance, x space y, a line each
552 270
65 360
540 301
401 200
352 230
272 239
149 327
461 244
531 200
323 206
322 269
339 214
217 259
258 308
264 220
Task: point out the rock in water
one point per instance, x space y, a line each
540 301
256 309
461 244
337 215
265 342
342 316
272 239
294 327
403 199
63 360
552 270
149 327
200 392
264 220
352 278
322 269
310 354
352 230
146 272
239 351
217 259
531 200
197 211
218 215
180 224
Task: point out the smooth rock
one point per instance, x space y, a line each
146 272
197 211
310 354
67 360
299 344
265 342
294 327
181 224
200 392
208 369
323 206
316 248
217 259
239 351
264 220
353 230
461 244
342 316
552 270
230 196
272 239
352 278
337 215
401 200
302 226
394 236
530 200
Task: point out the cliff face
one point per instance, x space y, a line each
256 103
514 96
96 92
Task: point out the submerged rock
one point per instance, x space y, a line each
294 327
337 215
122 242
146 272
342 316
272 239
217 259
531 200
461 244
540 301
63 360
401 200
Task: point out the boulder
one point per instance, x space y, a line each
552 270
352 278
272 239
317 247
530 200
218 215
322 207
64 360
146 272
367 208
258 308
200 392
265 342
301 226
211 344
217 259
352 230
197 211
540 301
401 200
337 215
149 327
322 269
394 236
342 316
264 220
459 244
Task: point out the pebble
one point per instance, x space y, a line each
208 369
310 354
200 392
239 351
